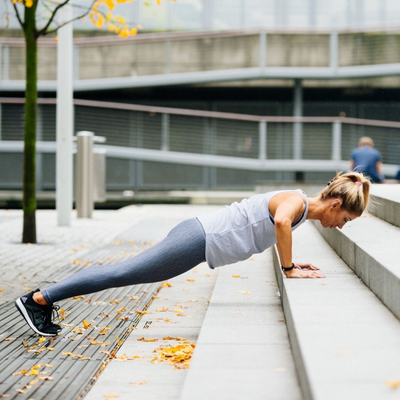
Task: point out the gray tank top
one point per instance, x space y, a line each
240 230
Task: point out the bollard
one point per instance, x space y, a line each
84 174
99 162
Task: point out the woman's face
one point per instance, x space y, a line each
335 217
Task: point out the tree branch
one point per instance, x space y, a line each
71 20
44 30
18 16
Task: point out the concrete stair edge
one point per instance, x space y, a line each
374 273
385 209
304 350
305 384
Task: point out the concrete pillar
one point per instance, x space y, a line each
65 118
297 126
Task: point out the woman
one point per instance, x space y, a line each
229 235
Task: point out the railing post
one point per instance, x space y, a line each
263 49
334 50
165 132
337 141
262 140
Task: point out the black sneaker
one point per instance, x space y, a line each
39 318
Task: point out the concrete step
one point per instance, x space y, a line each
345 342
385 201
370 247
243 350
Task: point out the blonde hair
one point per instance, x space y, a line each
365 141
355 196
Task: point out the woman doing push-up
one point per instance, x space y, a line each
229 235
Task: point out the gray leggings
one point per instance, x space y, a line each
180 251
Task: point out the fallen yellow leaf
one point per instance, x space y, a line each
393 384
46 378
142 339
86 325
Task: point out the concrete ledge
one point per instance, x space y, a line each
243 350
370 247
385 201
345 342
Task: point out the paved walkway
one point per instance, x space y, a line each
242 335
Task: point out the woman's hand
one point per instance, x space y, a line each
305 266
299 271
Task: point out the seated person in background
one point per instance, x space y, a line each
367 160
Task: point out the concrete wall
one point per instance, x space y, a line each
286 50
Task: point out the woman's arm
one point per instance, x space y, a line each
285 214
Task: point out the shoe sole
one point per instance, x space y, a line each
24 313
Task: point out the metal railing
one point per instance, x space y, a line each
173 58
169 136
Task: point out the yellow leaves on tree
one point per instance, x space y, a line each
116 24
26 3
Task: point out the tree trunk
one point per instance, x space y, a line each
29 188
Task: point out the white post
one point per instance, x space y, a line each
65 118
